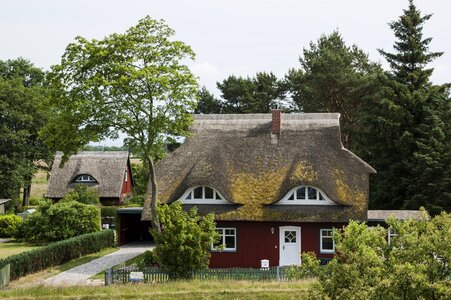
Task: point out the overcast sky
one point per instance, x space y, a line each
238 37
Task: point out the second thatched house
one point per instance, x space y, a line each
108 172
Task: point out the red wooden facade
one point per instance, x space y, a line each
260 240
127 183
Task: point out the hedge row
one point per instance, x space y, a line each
57 253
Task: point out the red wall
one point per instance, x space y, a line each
127 185
256 242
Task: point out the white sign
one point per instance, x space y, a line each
136 276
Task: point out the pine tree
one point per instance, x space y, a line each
407 137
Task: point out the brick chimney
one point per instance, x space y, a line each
276 121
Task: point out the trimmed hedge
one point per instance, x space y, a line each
57 253
9 224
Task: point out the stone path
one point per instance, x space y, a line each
80 275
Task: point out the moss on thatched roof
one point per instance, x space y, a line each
253 168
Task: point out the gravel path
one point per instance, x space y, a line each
80 275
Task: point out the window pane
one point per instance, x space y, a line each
198 193
208 193
312 194
321 197
291 197
290 236
229 242
326 232
189 196
230 231
300 193
217 196
328 243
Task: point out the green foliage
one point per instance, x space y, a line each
83 194
415 265
9 225
185 241
140 178
135 200
333 77
148 259
309 268
23 111
257 94
63 220
134 82
208 104
57 253
407 134
108 211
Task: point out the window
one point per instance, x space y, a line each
306 195
85 178
203 195
327 244
391 235
126 176
227 240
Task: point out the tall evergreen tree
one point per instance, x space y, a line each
407 138
333 77
208 103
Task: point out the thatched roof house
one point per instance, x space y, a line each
108 172
252 167
277 183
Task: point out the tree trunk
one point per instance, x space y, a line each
26 193
155 220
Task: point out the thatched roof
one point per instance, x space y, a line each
253 168
106 167
383 215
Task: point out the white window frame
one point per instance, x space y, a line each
222 241
321 250
80 179
126 175
391 233
203 200
306 201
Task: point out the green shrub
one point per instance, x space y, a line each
140 178
309 268
9 225
184 244
57 253
134 201
60 221
82 194
415 265
148 259
108 211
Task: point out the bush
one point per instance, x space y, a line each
108 211
134 201
82 194
184 244
60 221
309 268
57 253
415 265
9 225
140 178
148 259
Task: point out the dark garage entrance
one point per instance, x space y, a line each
131 228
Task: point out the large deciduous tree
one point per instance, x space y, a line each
23 97
135 82
408 125
333 77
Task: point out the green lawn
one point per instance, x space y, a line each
13 247
194 289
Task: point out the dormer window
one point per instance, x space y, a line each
85 178
306 195
203 195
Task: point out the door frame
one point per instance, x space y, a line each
281 240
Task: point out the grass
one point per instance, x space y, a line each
13 247
35 279
194 289
39 185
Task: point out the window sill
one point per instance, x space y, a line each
225 250
327 251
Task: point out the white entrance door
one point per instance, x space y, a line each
289 245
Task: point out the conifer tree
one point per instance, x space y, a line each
407 137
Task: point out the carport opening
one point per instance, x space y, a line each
131 228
